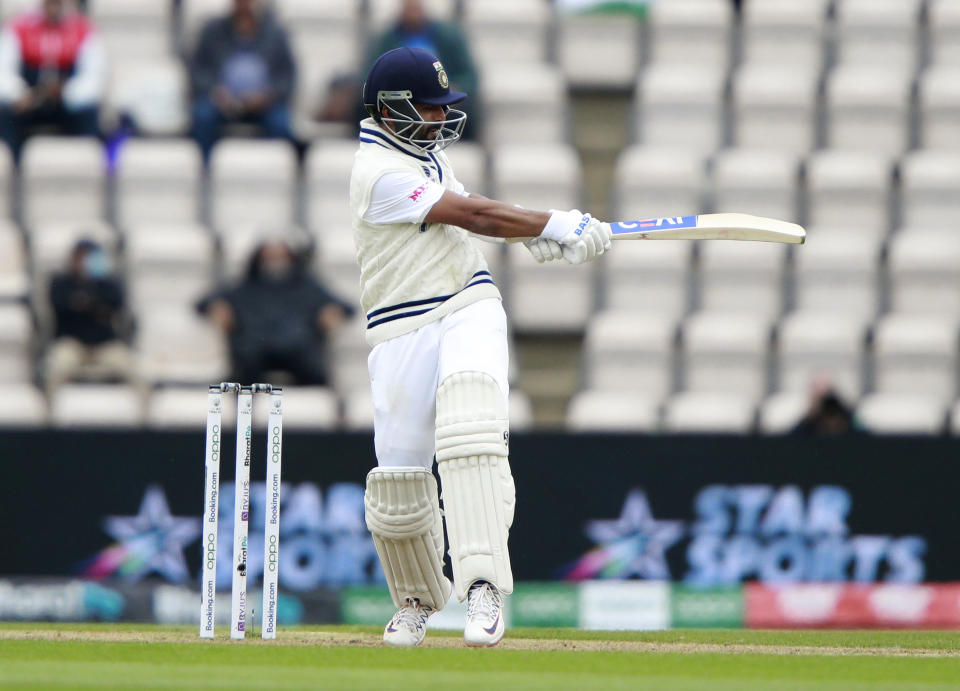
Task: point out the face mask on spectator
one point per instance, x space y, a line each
96 264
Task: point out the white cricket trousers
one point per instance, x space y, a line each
405 372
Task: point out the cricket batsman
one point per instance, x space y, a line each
438 332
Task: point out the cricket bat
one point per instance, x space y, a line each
710 227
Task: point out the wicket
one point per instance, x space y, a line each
241 512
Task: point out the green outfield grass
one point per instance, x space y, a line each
37 656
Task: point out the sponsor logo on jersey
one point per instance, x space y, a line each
418 192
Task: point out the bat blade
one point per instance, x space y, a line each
710 227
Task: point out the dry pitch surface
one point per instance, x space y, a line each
43 656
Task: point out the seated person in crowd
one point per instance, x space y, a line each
828 415
277 318
52 72
91 321
242 71
415 29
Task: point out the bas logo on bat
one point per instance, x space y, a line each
667 221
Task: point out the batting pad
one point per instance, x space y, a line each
403 515
478 492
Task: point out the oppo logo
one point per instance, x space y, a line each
275 444
272 554
211 550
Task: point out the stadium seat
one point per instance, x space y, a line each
469 161
178 346
509 31
133 29
168 265
888 413
955 419
181 407
680 106
520 410
725 352
758 182
22 406
327 41
813 344
598 50
630 350
647 276
158 181
878 32
938 100
915 354
7 173
252 182
96 406
315 408
929 181
924 270
358 410
774 106
552 297
152 92
693 31
348 352
943 20
524 104
327 167
781 412
9 8
849 189
838 270
700 412
868 108
649 182
784 32
14 270
63 179
742 276
537 176
613 411
16 342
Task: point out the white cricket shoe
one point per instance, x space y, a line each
409 624
484 615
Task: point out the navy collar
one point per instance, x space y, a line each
369 129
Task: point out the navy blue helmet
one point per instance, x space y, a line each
402 77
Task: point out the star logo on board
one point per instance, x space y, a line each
150 542
632 546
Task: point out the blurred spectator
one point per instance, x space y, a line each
415 29
242 71
277 318
52 72
342 102
828 415
92 321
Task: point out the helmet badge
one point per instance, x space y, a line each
441 75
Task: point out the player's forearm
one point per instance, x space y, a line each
500 220
487 216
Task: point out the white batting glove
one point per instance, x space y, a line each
593 240
544 250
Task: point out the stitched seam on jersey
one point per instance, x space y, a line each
396 146
424 301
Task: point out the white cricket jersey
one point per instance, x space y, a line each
411 273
